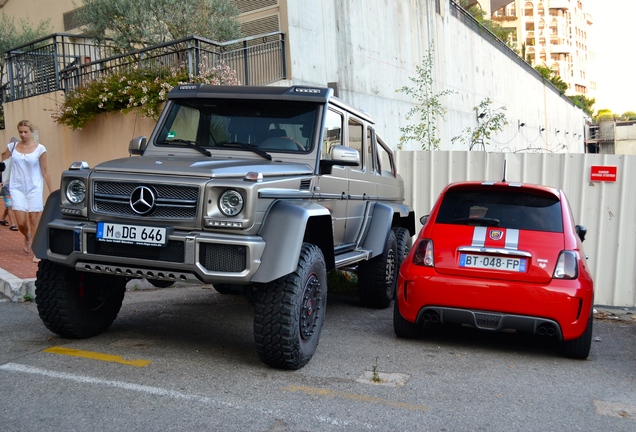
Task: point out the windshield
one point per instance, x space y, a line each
250 125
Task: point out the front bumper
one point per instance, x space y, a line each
188 256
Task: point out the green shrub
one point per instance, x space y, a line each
141 90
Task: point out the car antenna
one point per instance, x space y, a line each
504 171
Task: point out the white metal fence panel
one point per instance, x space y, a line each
606 208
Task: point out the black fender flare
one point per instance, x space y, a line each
40 244
381 216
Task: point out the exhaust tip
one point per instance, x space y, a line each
546 329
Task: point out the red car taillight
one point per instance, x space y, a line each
567 266
424 254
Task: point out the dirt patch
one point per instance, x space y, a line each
618 315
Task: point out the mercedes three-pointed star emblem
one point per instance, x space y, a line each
142 200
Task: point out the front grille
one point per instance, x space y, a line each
172 252
173 202
223 258
487 320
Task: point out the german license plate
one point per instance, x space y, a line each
132 234
493 262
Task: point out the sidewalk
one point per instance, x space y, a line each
17 271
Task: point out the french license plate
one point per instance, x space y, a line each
493 262
132 234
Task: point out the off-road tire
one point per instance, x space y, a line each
402 327
289 312
579 348
403 241
377 277
74 304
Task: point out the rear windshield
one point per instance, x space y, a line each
506 209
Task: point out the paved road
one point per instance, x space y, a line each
182 359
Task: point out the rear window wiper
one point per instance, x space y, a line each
250 147
476 221
189 143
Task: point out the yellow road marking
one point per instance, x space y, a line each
352 396
96 356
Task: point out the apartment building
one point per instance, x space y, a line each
552 33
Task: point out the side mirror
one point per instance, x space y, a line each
137 145
424 219
581 231
342 156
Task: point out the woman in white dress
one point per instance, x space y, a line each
29 172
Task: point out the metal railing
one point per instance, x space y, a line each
65 61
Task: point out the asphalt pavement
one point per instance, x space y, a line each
183 359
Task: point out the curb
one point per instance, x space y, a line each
15 288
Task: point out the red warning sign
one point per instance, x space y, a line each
603 173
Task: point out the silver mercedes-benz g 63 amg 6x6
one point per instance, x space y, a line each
263 189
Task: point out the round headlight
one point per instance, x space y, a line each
230 203
76 191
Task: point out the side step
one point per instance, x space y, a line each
352 257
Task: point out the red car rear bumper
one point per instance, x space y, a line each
521 306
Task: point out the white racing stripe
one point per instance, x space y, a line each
479 236
512 239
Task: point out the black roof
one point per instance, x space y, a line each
300 93
316 94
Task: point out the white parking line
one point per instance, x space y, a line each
158 391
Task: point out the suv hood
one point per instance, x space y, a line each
202 167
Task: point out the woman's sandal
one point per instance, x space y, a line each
4 222
13 228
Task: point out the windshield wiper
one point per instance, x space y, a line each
477 221
189 143
250 147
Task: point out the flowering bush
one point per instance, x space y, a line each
140 90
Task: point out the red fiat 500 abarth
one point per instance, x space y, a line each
499 256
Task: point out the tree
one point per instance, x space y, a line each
14 34
628 115
480 15
133 24
604 115
555 79
584 103
428 108
489 121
